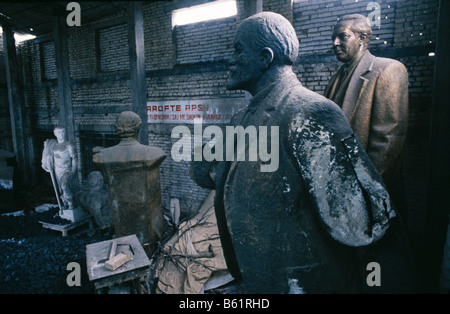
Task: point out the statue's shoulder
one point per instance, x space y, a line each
305 101
70 146
136 152
302 104
153 152
50 142
49 145
388 64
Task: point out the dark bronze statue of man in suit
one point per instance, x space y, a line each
373 93
300 227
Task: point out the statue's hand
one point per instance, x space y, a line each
97 149
47 163
45 168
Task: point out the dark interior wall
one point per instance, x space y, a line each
6 142
436 255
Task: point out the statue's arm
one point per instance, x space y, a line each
202 172
73 156
346 190
389 120
47 155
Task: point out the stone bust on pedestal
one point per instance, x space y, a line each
131 170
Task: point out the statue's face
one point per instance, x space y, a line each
346 43
60 135
245 67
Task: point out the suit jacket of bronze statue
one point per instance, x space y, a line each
376 105
304 220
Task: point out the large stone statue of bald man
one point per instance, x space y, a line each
373 93
297 228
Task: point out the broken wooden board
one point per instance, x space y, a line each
65 228
98 253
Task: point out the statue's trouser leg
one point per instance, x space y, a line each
66 189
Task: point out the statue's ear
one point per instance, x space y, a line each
362 39
267 55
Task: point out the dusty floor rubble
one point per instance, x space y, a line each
33 259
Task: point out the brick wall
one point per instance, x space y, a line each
283 7
98 55
48 63
83 52
415 22
313 21
189 63
113 44
159 48
204 41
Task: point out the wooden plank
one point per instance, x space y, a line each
136 43
113 249
52 226
67 227
140 273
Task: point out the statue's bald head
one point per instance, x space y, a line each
128 124
272 30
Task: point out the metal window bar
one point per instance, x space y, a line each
89 140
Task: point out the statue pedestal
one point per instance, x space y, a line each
132 172
74 215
